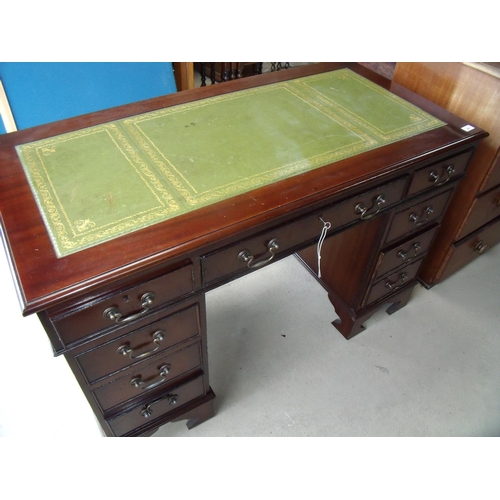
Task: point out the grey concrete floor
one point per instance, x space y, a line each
279 368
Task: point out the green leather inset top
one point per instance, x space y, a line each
105 181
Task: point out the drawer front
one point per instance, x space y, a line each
439 174
472 248
149 376
393 282
124 308
418 216
493 177
484 209
405 253
159 406
140 344
257 251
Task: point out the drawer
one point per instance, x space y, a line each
150 376
472 247
393 282
140 344
484 208
493 177
439 173
418 215
405 253
158 406
259 250
122 309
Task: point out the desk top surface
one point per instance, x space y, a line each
105 181
267 135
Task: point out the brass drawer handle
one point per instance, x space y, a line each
114 314
480 248
403 255
394 285
125 349
147 410
361 209
245 256
139 383
435 177
415 218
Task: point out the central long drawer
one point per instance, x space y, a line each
257 251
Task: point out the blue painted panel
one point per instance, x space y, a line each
44 92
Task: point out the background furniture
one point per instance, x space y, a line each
218 72
184 75
472 222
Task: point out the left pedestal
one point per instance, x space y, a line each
139 351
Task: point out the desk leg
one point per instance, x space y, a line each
400 300
347 261
199 414
194 417
350 323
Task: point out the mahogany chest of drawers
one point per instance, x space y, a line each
472 223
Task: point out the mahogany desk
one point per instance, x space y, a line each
124 300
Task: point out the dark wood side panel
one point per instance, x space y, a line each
342 271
